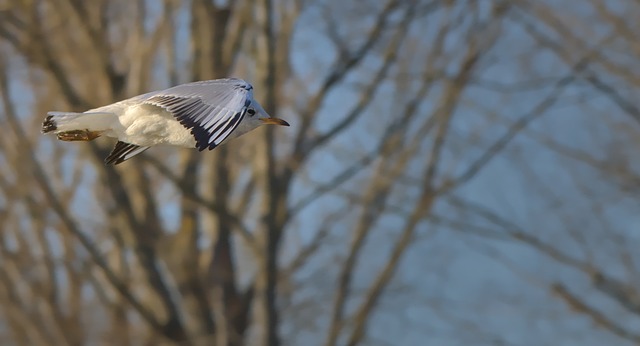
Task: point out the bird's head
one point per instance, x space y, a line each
257 115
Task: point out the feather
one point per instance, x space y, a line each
210 109
122 152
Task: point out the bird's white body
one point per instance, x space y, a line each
137 123
142 124
195 115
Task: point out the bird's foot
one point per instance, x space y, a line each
78 135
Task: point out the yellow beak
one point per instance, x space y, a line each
274 121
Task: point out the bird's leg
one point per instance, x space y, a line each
78 135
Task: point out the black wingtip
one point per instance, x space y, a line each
122 152
48 124
112 161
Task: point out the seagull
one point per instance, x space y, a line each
198 115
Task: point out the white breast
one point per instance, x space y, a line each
148 125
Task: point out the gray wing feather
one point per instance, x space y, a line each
210 109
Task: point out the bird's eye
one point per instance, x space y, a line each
251 112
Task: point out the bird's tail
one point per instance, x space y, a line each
70 126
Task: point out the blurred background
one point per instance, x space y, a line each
457 172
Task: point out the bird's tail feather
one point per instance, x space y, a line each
76 126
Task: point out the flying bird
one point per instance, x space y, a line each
198 115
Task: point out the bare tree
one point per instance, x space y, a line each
304 235
576 169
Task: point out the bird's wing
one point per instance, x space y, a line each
210 109
122 152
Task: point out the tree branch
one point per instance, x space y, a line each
596 316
